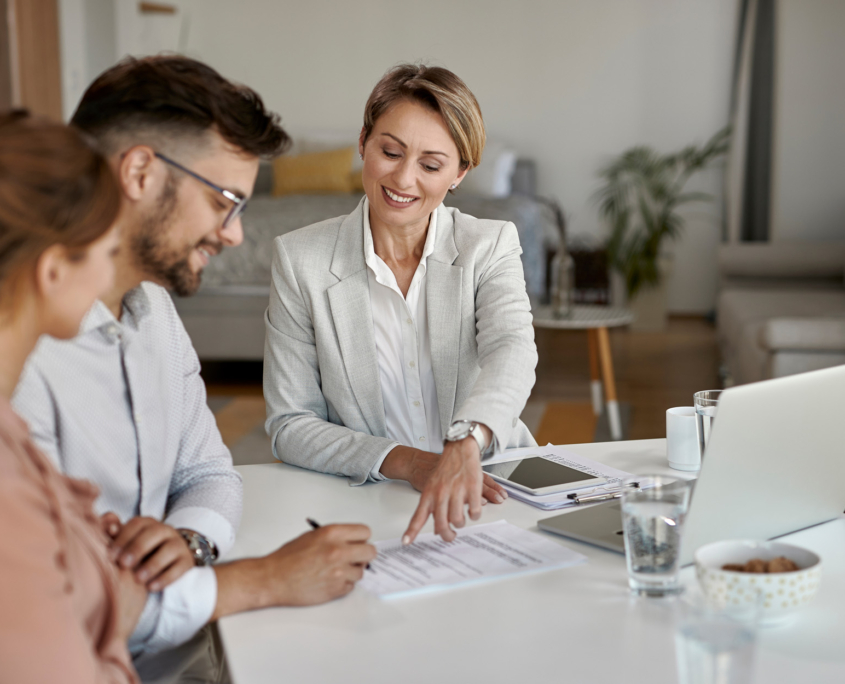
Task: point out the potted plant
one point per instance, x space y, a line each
642 193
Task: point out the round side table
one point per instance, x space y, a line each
595 320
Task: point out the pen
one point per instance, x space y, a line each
604 496
590 498
316 526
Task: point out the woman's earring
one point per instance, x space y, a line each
454 185
361 154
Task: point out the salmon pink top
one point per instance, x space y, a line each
58 588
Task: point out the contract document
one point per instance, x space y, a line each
480 552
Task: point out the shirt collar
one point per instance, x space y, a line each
136 305
375 262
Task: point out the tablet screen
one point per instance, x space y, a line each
536 472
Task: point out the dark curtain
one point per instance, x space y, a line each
757 176
5 58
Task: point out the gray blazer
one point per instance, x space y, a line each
321 379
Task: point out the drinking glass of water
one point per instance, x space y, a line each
653 512
715 643
705 403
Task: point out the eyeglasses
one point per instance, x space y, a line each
239 203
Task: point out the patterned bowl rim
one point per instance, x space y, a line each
700 565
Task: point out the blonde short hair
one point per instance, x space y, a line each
440 90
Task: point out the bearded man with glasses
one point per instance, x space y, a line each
123 404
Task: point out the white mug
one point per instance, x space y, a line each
681 439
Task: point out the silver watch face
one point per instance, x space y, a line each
458 431
202 553
201 549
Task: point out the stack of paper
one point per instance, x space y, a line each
550 502
480 552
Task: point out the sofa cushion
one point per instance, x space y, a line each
736 308
783 260
743 314
791 362
811 334
750 360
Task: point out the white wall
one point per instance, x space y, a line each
808 200
88 44
72 38
570 83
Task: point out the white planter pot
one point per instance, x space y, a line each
650 305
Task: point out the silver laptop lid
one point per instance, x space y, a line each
775 462
599 525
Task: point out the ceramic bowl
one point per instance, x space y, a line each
783 593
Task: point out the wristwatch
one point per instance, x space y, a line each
203 550
461 429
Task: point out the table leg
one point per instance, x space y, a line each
606 361
595 371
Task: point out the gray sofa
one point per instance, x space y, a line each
781 309
225 319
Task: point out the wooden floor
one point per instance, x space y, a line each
654 371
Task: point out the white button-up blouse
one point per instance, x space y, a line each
403 348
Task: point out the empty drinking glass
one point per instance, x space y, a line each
705 403
653 512
715 642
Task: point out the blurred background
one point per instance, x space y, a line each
567 87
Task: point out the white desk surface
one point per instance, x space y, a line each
572 625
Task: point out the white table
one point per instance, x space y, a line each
572 625
595 320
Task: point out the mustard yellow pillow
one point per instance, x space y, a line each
357 181
317 173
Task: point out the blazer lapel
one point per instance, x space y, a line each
352 315
443 302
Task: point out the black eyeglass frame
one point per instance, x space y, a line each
238 203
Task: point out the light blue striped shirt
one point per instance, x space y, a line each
123 405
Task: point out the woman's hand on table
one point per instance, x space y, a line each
449 482
419 465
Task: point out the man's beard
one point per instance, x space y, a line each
158 261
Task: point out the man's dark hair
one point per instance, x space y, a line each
170 96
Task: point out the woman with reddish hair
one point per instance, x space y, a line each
65 609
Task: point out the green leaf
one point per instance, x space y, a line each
641 190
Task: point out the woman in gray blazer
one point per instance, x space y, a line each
405 322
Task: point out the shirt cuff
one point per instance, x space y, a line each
375 475
146 625
185 608
210 524
493 449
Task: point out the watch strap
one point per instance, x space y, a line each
478 434
203 550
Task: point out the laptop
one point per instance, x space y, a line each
775 463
